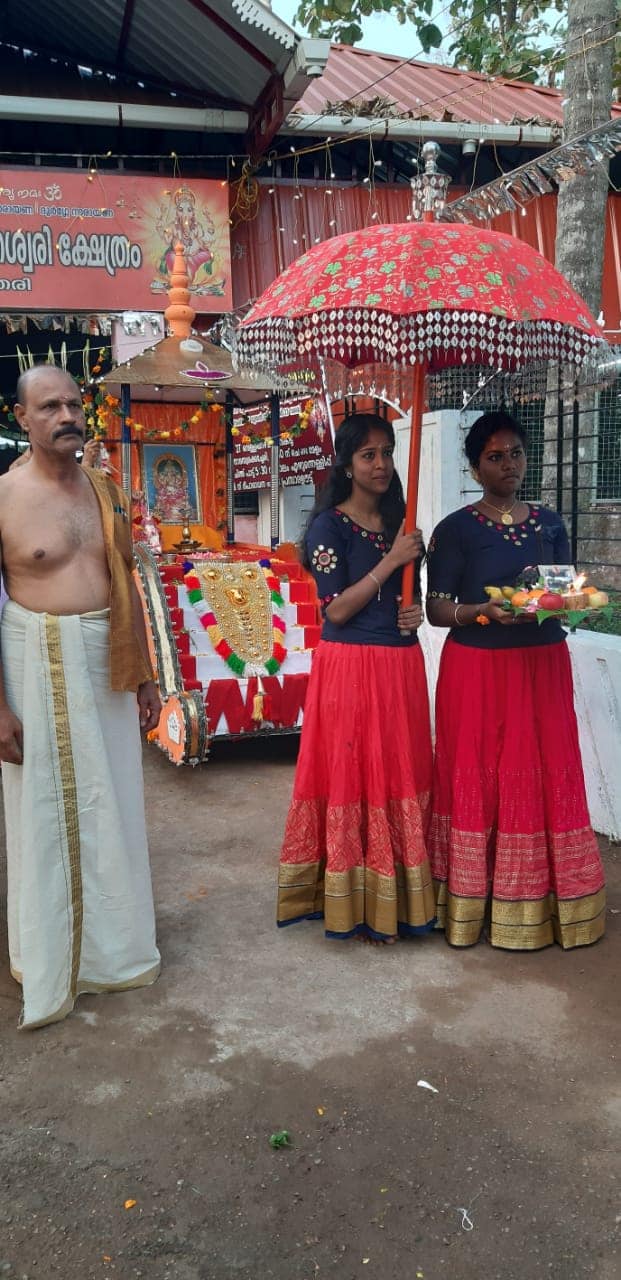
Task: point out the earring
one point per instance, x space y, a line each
348 474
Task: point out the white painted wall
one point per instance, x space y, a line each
296 501
245 528
596 659
596 665
263 522
127 345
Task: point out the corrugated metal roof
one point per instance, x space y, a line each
428 90
227 48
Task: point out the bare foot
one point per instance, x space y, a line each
376 942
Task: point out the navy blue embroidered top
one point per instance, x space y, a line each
468 552
341 553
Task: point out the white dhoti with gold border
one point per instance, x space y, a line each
80 903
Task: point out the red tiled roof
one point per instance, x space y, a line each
429 91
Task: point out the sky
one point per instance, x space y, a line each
381 33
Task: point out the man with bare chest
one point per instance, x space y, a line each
74 681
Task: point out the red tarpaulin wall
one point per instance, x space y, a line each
261 250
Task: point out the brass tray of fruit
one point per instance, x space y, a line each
552 591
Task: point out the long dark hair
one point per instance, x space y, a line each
351 436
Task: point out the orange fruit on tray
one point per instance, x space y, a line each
589 591
535 593
519 598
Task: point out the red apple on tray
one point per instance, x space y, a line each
551 601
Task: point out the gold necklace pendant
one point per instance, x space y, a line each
506 517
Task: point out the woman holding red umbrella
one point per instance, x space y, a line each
354 848
510 831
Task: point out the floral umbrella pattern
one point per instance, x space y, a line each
420 292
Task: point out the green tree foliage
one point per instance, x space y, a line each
514 38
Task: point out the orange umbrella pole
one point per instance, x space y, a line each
426 189
411 504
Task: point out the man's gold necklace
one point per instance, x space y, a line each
505 516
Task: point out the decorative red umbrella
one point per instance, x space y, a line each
426 295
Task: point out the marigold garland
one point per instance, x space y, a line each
246 436
209 621
99 407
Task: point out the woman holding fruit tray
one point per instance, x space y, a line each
510 832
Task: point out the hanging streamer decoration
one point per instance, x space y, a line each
538 177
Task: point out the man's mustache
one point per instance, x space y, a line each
68 431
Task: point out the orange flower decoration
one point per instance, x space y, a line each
482 620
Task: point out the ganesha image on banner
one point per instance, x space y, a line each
179 222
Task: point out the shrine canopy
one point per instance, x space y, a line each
163 382
193 366
185 361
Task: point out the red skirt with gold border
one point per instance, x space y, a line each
510 835
354 850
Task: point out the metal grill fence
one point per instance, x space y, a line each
582 476
609 444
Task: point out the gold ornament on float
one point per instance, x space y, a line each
240 599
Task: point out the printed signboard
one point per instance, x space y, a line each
302 460
91 241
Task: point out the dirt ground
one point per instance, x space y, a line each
168 1096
